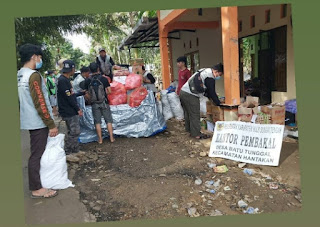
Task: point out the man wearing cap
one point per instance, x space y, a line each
68 107
106 64
35 114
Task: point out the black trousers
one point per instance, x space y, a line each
38 142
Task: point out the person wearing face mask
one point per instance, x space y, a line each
200 83
69 109
35 114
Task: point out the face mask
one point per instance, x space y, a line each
217 78
39 64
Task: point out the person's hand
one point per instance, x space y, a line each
53 132
80 113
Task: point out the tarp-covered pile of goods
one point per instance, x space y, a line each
134 111
170 105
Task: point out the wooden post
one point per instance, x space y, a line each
229 23
165 71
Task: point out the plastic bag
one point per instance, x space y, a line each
117 99
53 165
166 109
203 104
137 96
117 88
133 81
175 104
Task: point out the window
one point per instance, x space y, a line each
268 16
253 21
193 61
284 9
190 44
240 26
197 41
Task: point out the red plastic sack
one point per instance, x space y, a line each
117 99
137 96
117 88
133 81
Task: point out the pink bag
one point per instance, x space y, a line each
137 96
133 81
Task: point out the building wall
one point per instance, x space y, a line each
208 14
210 50
244 14
164 13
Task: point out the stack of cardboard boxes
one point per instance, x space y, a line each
250 111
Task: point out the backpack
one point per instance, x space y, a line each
96 91
196 84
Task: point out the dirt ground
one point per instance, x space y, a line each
154 178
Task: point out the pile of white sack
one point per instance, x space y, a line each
171 106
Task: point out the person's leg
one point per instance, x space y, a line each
96 113
110 130
74 134
184 103
38 142
106 111
99 133
194 111
67 138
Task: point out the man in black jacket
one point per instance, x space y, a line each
68 107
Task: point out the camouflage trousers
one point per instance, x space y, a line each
71 142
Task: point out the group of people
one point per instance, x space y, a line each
191 88
40 99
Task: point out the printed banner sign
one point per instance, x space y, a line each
246 142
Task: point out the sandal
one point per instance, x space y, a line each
203 137
43 196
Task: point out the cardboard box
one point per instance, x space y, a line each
136 62
217 113
252 101
277 113
209 107
245 113
137 69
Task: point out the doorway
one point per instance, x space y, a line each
263 63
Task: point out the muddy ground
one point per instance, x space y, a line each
154 178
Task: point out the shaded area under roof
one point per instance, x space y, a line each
146 31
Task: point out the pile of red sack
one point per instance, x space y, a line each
133 85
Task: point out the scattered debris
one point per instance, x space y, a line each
203 154
242 204
215 213
211 191
193 212
162 175
221 169
212 165
175 206
251 210
227 188
250 172
198 181
95 180
241 165
273 186
298 197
